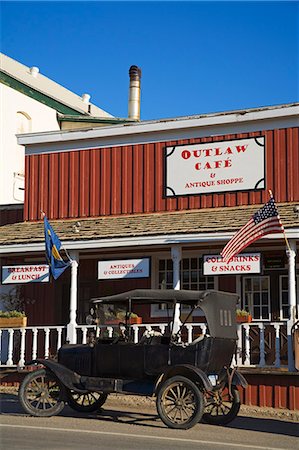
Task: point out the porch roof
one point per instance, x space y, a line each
211 220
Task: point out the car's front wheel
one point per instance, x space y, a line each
86 402
180 403
41 394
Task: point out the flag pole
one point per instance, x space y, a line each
53 245
284 233
66 252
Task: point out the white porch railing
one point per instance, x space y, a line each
262 344
259 344
20 345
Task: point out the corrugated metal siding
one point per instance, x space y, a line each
270 390
38 298
12 215
129 179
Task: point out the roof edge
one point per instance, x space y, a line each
95 119
178 124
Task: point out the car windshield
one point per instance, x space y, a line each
111 314
218 307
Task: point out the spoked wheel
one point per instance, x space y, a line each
180 403
221 408
41 394
87 402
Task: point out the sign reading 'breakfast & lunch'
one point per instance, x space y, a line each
28 273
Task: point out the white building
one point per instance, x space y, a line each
31 102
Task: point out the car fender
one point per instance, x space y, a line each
187 370
231 377
239 380
67 377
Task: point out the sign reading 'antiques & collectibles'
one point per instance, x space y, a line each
240 264
25 274
212 167
126 268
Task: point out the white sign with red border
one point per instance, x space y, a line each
124 268
240 264
222 166
31 273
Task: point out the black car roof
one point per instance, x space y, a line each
171 296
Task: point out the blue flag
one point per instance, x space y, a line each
53 244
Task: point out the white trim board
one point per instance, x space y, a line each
179 239
161 130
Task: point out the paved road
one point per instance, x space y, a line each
134 427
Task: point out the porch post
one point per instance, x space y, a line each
292 279
292 299
176 256
71 326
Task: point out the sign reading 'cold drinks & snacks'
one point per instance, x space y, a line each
240 264
212 167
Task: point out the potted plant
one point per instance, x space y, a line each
243 316
12 319
131 318
134 318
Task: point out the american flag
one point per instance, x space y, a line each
265 221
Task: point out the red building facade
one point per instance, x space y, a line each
128 179
106 192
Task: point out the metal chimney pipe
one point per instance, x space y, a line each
134 93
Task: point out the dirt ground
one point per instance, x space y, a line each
148 403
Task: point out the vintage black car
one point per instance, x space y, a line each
191 381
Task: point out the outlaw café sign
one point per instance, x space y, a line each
240 264
125 268
213 167
30 273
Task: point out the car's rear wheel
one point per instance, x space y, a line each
41 394
180 403
86 402
221 407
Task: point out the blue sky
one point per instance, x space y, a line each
196 57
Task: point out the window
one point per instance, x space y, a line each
24 123
284 296
256 297
191 278
191 275
165 274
